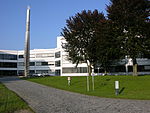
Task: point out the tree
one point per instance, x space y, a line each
130 19
108 47
81 34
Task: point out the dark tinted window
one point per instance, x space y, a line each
41 63
8 64
21 56
8 72
57 72
32 63
8 57
57 63
57 54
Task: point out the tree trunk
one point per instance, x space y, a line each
89 67
135 67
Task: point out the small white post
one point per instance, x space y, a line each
88 86
69 81
93 77
117 87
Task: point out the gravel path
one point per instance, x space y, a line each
43 99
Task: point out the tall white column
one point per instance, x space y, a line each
27 44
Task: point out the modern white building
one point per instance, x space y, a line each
55 62
41 61
66 68
49 61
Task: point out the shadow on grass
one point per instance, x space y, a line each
121 90
107 79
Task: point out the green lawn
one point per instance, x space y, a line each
130 87
10 102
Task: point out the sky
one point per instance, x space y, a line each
48 17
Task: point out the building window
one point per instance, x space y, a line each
44 55
32 72
20 63
57 54
69 70
41 63
118 68
42 71
143 68
8 57
8 65
57 72
147 67
8 72
49 72
74 70
82 69
21 56
21 72
32 63
57 63
38 63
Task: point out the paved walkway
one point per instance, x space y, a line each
43 99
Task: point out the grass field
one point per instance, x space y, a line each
130 87
10 102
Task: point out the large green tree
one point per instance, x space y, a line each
108 51
130 21
82 32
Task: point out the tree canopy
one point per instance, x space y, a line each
130 19
81 34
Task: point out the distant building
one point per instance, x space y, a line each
55 62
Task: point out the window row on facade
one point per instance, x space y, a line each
43 55
8 57
122 68
21 72
8 64
37 63
8 72
74 70
39 55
